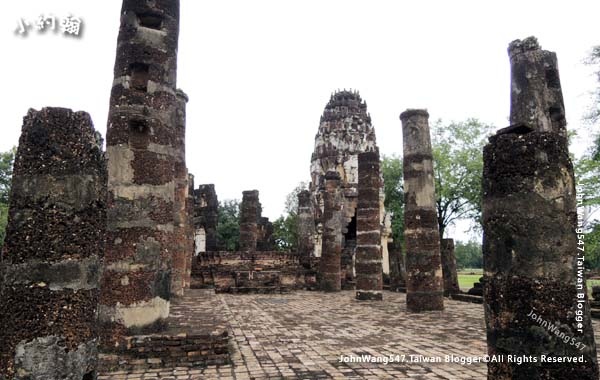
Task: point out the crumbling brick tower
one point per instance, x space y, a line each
345 130
180 251
369 282
249 211
206 218
142 150
53 250
424 283
529 232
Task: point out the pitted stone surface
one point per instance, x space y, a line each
302 335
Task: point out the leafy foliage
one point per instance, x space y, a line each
468 255
285 228
228 227
393 180
592 246
594 115
6 165
458 167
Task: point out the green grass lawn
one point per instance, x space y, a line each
466 279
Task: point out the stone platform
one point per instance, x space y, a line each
197 336
301 335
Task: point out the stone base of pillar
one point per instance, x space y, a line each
369 295
417 302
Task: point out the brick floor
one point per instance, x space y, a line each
302 335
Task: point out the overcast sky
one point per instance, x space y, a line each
259 73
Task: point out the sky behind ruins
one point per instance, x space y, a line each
259 73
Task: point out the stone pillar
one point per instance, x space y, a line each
397 269
306 227
424 284
536 98
141 150
330 264
53 250
206 216
449 267
249 210
533 275
369 271
180 249
189 231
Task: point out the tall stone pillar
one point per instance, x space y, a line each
536 98
53 250
249 211
424 284
449 267
533 276
142 149
189 231
180 249
306 227
369 271
331 253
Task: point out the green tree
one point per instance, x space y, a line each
6 165
228 227
285 228
393 175
468 255
592 246
458 167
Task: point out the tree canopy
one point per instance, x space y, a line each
6 164
458 166
228 227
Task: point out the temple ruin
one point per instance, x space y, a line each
529 224
345 130
53 252
112 266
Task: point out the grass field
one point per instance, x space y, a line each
466 279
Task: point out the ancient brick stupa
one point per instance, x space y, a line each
345 131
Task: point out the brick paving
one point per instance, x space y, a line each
301 335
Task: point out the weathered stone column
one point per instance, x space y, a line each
397 268
53 250
536 98
141 150
369 271
179 250
424 283
449 267
249 210
533 277
330 264
306 227
190 230
207 215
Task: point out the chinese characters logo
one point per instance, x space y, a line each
69 25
